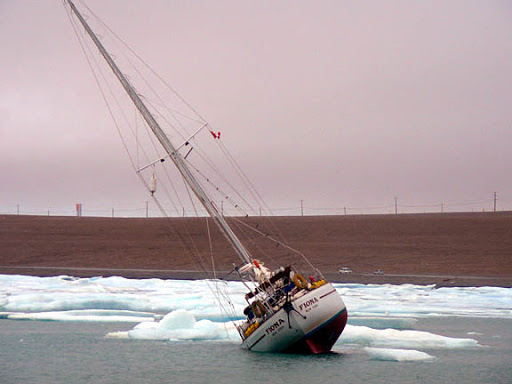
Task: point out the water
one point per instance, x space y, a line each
119 333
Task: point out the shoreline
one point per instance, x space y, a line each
354 278
448 250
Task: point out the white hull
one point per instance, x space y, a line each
312 311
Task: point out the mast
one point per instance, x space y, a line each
174 155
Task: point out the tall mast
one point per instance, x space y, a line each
174 155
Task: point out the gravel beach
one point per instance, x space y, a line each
448 249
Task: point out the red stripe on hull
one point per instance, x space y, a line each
322 340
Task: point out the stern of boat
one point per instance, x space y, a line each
312 325
325 319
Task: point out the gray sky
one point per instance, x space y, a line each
337 103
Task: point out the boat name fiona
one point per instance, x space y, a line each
308 303
274 326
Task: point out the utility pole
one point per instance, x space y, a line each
345 210
396 206
494 201
17 209
302 207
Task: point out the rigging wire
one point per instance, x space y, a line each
211 249
145 64
275 241
187 238
137 144
190 246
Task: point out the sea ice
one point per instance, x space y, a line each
188 310
377 304
179 325
393 338
388 354
383 322
98 315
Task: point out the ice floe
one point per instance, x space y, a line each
393 338
387 354
179 325
382 318
378 306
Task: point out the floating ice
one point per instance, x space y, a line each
380 316
179 325
393 338
383 322
98 315
388 354
426 301
182 325
374 305
29 294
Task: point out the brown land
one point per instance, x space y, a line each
463 249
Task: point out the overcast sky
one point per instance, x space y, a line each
337 103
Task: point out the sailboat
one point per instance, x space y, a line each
288 308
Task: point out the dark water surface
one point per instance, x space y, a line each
73 352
